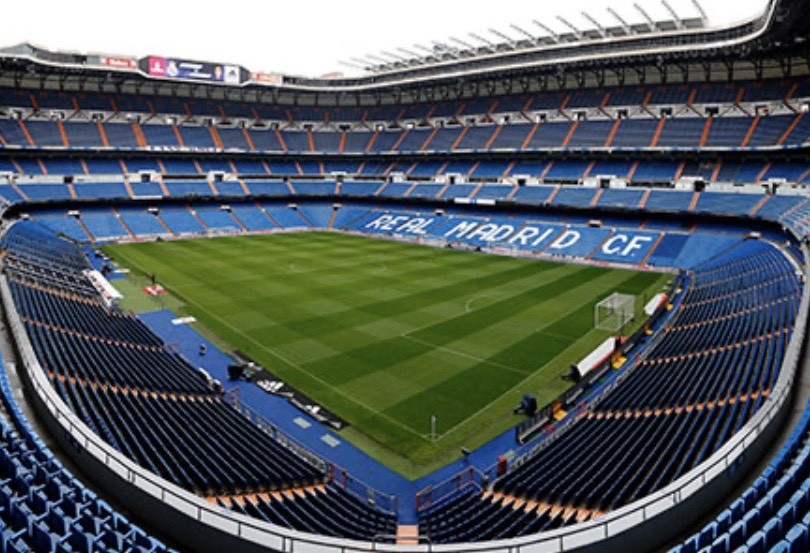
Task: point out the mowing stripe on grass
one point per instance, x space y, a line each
296 366
385 333
574 305
464 355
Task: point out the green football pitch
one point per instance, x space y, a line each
387 334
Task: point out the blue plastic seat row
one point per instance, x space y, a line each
43 508
327 511
693 390
153 406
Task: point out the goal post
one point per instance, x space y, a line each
613 312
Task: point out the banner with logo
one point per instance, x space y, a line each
267 78
118 62
170 68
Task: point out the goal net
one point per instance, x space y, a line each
613 312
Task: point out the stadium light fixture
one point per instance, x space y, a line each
674 14
488 44
378 59
352 65
700 10
551 33
626 26
394 56
650 22
570 25
507 39
366 63
524 32
444 48
467 45
599 27
429 51
410 53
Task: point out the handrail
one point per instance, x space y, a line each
470 476
337 474
276 433
416 154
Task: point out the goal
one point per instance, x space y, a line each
613 312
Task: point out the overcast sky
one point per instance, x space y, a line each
306 37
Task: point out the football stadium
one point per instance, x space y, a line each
541 291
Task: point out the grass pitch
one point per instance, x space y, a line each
387 334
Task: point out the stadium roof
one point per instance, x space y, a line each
309 39
456 62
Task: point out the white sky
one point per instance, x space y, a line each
306 37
